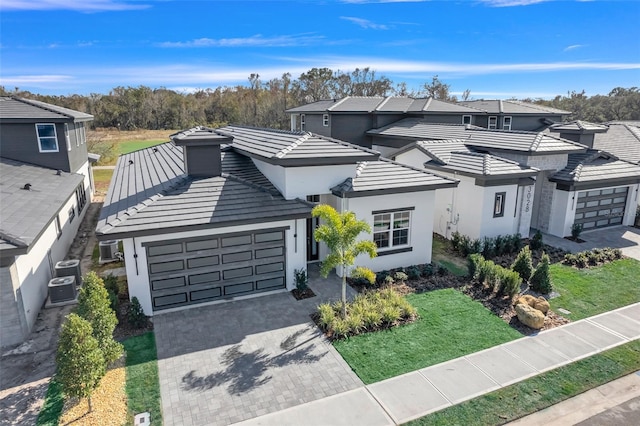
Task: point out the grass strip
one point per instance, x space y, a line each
450 325
125 147
53 405
592 291
539 392
143 384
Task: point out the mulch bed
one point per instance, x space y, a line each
303 294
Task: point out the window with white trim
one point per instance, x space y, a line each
47 137
466 119
498 204
325 120
302 123
391 229
493 122
506 123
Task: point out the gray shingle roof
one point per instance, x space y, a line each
594 167
504 140
150 194
578 126
294 148
512 107
622 139
12 108
396 104
24 215
387 177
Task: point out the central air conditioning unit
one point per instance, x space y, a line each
64 268
62 289
108 251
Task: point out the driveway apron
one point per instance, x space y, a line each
225 363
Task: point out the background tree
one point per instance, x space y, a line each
79 359
94 306
437 90
339 232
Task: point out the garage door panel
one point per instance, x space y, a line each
198 270
601 208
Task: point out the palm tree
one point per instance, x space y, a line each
339 232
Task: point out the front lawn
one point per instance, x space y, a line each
143 386
592 291
534 394
102 178
450 325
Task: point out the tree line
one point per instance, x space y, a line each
262 103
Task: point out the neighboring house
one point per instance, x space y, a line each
515 115
351 117
46 184
494 197
225 213
556 159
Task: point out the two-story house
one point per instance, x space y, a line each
46 184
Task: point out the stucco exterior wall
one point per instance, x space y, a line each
137 269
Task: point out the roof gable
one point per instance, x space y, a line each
596 167
13 108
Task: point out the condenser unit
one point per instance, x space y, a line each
108 251
62 289
64 268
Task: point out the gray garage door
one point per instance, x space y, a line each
197 270
601 207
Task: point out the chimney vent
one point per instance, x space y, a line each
27 186
201 145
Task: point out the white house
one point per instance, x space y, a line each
226 213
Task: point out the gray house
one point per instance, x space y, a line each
46 184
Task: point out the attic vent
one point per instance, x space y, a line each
27 186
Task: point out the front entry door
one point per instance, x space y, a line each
313 247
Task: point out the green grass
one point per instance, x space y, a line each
453 263
143 385
125 147
588 292
53 405
454 268
450 325
537 393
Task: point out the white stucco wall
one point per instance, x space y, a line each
298 182
137 269
503 225
421 227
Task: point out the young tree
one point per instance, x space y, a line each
94 306
80 362
523 264
541 279
339 232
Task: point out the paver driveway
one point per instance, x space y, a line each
225 363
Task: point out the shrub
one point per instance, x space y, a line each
113 300
381 277
364 275
499 245
576 230
509 283
582 261
464 246
523 265
135 314
516 242
488 247
326 315
388 280
80 361
94 306
111 284
536 241
426 270
401 276
475 261
413 272
476 246
301 279
340 327
455 241
541 279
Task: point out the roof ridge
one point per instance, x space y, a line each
335 104
377 108
486 164
284 151
427 104
250 184
264 129
536 142
35 104
500 107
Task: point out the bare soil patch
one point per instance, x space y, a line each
303 294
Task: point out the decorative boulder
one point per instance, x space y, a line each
542 305
526 299
530 316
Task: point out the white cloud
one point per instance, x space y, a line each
34 79
573 47
77 5
365 23
254 41
510 3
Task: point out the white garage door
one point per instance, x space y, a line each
196 270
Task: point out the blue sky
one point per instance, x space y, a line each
494 48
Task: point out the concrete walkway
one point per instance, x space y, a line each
413 395
626 238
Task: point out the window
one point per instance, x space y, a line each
47 137
391 229
66 136
302 122
466 119
498 204
313 198
83 134
325 120
58 227
81 197
506 123
493 122
72 214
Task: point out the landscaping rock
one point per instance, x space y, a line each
526 299
542 305
529 316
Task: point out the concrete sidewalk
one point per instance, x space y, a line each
413 395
